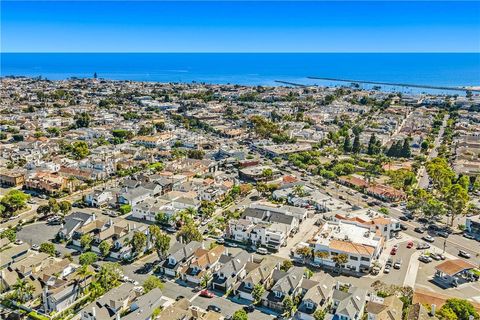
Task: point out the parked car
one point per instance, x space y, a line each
464 254
423 246
403 227
249 308
425 259
220 241
214 308
403 218
419 230
179 298
18 242
428 238
35 247
262 251
410 244
207 294
468 236
386 269
435 256
442 234
398 264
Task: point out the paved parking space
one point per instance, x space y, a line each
40 232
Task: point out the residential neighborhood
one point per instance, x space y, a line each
145 200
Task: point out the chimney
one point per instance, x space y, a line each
44 298
117 317
94 313
337 286
434 307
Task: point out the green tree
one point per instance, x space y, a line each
240 315
457 199
53 205
463 309
322 255
109 275
13 201
347 144
124 209
305 252
340 259
189 233
48 248
65 207
23 290
286 265
82 120
151 283
87 258
85 241
288 306
319 314
80 150
104 247
161 241
406 152
139 240
356 147
257 293
10 234
206 280
374 145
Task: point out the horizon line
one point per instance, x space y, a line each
240 52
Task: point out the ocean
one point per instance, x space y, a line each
437 69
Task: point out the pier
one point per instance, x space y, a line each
398 84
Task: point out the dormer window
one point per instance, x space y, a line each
278 294
309 305
248 285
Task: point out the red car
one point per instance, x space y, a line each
394 251
207 294
410 244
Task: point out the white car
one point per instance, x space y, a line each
35 247
18 242
262 251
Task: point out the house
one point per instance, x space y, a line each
358 243
146 305
316 298
47 183
349 305
179 253
60 297
202 263
232 270
98 198
12 178
256 273
73 222
134 196
13 254
270 235
377 222
453 272
111 303
389 308
286 283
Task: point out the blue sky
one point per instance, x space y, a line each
178 26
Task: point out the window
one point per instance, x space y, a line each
365 259
278 294
353 258
309 305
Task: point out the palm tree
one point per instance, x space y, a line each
23 290
206 280
83 272
298 190
322 255
340 259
